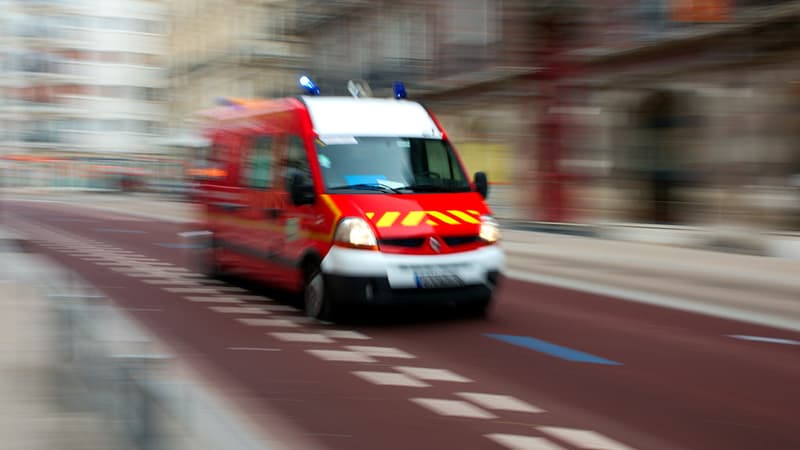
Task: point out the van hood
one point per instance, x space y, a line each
416 215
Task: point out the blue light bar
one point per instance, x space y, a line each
309 85
399 90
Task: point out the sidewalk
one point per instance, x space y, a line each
33 410
76 373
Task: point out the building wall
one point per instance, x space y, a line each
87 77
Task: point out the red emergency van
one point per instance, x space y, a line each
350 201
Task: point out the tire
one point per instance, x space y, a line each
211 266
478 309
316 303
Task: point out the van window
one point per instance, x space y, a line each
257 169
390 164
438 160
297 161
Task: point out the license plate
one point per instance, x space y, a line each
438 280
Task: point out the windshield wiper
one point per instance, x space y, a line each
367 187
431 187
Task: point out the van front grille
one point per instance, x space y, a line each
454 241
405 242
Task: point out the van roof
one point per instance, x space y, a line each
348 116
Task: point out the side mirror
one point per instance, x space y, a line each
301 193
481 184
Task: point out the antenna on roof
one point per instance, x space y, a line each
359 88
308 85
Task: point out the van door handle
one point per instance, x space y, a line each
229 206
271 213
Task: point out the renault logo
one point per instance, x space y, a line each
435 243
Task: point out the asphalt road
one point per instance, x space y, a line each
550 368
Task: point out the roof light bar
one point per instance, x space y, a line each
399 90
308 85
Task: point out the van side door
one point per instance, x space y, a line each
255 228
296 221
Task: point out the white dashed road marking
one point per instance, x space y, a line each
584 438
390 379
501 402
279 308
517 442
345 334
770 340
455 408
433 374
253 298
238 310
341 355
268 322
171 281
180 290
214 300
380 352
255 349
303 337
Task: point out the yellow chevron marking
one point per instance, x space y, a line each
337 214
387 219
442 217
463 216
431 222
473 212
370 215
413 218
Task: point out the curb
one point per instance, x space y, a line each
718 239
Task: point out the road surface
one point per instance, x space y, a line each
550 368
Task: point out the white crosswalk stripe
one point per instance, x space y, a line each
584 439
424 373
238 310
390 379
380 352
341 355
453 408
345 334
268 322
500 402
303 337
517 442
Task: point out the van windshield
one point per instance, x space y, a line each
385 164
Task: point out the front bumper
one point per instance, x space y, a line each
369 277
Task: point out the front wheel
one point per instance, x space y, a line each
478 309
317 304
209 260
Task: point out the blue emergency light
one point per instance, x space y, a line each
399 90
308 85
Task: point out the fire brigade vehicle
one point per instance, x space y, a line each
348 200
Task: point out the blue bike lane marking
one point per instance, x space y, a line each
553 349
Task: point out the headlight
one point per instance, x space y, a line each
355 232
490 229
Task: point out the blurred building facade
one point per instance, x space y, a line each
82 82
695 113
228 48
617 110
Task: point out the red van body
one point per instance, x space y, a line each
347 200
